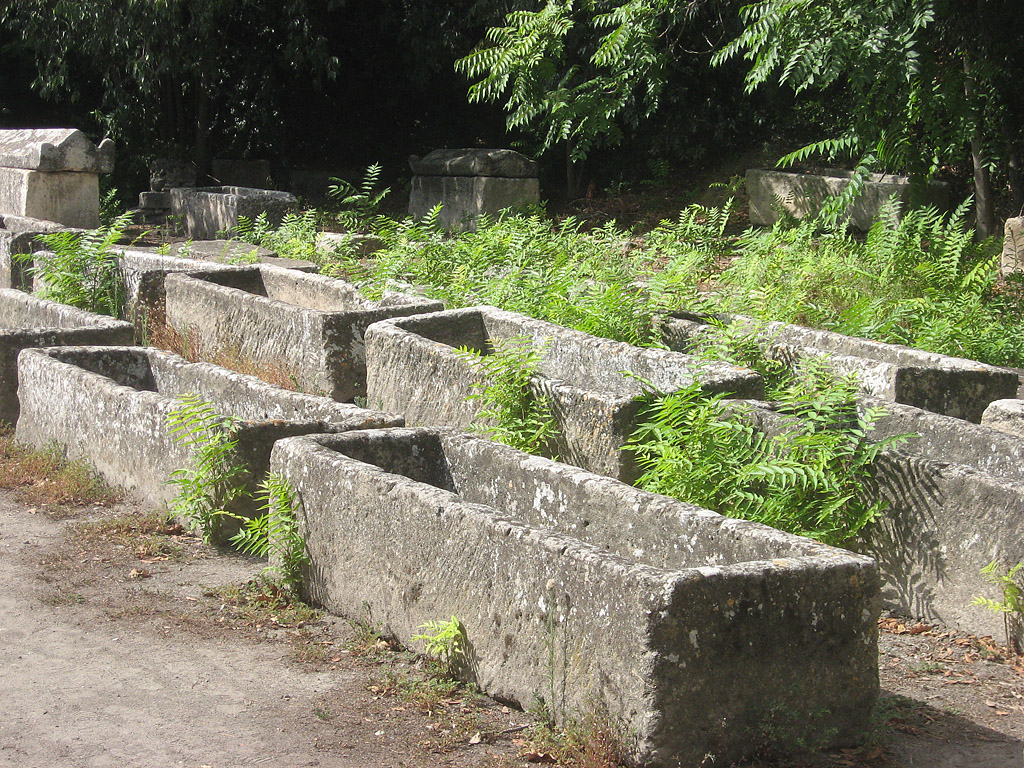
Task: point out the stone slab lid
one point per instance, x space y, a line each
506 163
55 149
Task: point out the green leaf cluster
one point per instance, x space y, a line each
84 269
215 477
275 534
513 412
808 479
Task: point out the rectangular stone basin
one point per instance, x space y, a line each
413 366
19 235
690 630
955 502
28 321
310 325
952 386
109 406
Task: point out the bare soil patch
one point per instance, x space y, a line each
126 642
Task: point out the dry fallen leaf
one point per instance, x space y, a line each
139 573
539 757
475 738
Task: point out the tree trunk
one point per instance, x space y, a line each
984 208
203 155
1013 167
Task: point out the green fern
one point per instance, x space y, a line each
275 534
216 478
512 413
84 269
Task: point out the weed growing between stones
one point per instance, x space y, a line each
805 480
45 477
1011 605
513 413
275 534
84 270
445 643
215 478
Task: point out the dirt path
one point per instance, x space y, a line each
121 653
100 669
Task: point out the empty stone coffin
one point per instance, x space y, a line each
803 194
19 236
952 386
207 212
109 406
28 321
413 366
53 174
309 325
145 271
468 183
955 502
689 629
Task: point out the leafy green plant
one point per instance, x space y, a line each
275 534
215 478
110 206
513 413
360 205
445 641
917 278
1011 606
807 479
84 269
295 238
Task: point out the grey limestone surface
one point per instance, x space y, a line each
1013 246
19 235
688 628
469 183
27 321
109 406
1005 416
310 325
206 212
55 149
948 385
803 194
955 502
506 163
53 174
413 366
67 197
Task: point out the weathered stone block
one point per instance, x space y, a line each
53 174
109 406
1005 416
70 198
1013 246
803 194
955 496
688 628
364 245
55 149
19 235
413 366
155 200
471 182
28 321
206 212
166 173
311 325
948 385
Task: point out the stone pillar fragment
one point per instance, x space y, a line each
53 175
471 182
